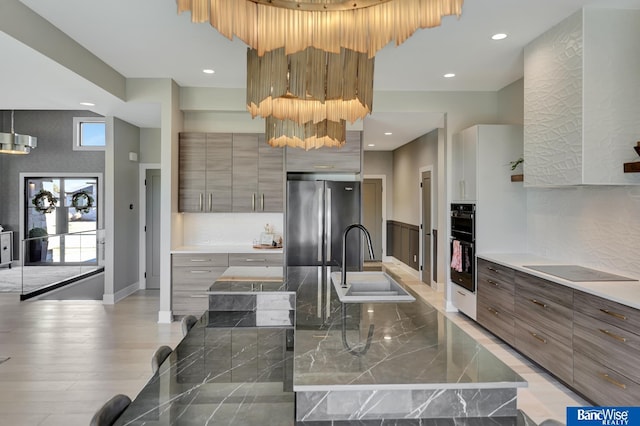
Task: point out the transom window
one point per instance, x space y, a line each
89 133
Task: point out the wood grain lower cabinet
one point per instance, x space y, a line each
606 347
544 323
256 259
191 277
496 299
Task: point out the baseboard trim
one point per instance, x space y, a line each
165 317
112 299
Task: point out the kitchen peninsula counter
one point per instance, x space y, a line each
624 292
416 359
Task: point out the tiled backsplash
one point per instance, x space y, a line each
228 228
594 226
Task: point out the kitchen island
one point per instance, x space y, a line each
346 364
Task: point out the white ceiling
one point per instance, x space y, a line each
147 39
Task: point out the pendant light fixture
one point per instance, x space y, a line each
13 143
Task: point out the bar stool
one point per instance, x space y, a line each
159 356
188 321
110 411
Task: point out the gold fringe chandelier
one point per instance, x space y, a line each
310 62
310 86
281 133
362 25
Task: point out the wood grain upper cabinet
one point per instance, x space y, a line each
205 172
348 158
270 177
245 172
258 175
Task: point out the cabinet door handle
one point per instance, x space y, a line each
262 202
200 202
210 201
199 260
253 202
255 260
493 311
493 282
536 302
493 269
199 271
543 340
611 380
610 334
614 314
460 293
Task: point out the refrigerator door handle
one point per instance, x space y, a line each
320 239
328 223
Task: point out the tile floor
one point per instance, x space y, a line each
67 357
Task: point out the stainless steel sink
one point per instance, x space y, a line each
370 287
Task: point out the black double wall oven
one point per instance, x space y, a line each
462 245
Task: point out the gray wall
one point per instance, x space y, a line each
126 196
511 103
149 145
55 154
407 161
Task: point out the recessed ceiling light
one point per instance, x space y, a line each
208 71
87 103
499 36
388 133
449 75
372 144
387 337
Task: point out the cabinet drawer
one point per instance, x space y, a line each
185 303
464 300
498 276
499 322
603 385
200 259
201 276
546 350
545 314
496 297
607 344
256 259
622 316
544 289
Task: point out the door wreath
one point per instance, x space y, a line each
44 201
82 202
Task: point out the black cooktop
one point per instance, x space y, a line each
577 273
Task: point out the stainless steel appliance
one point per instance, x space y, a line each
463 237
318 210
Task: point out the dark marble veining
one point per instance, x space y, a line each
356 364
391 360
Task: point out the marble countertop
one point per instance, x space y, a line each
228 248
624 292
412 346
225 372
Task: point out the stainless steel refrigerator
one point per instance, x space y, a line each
317 213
